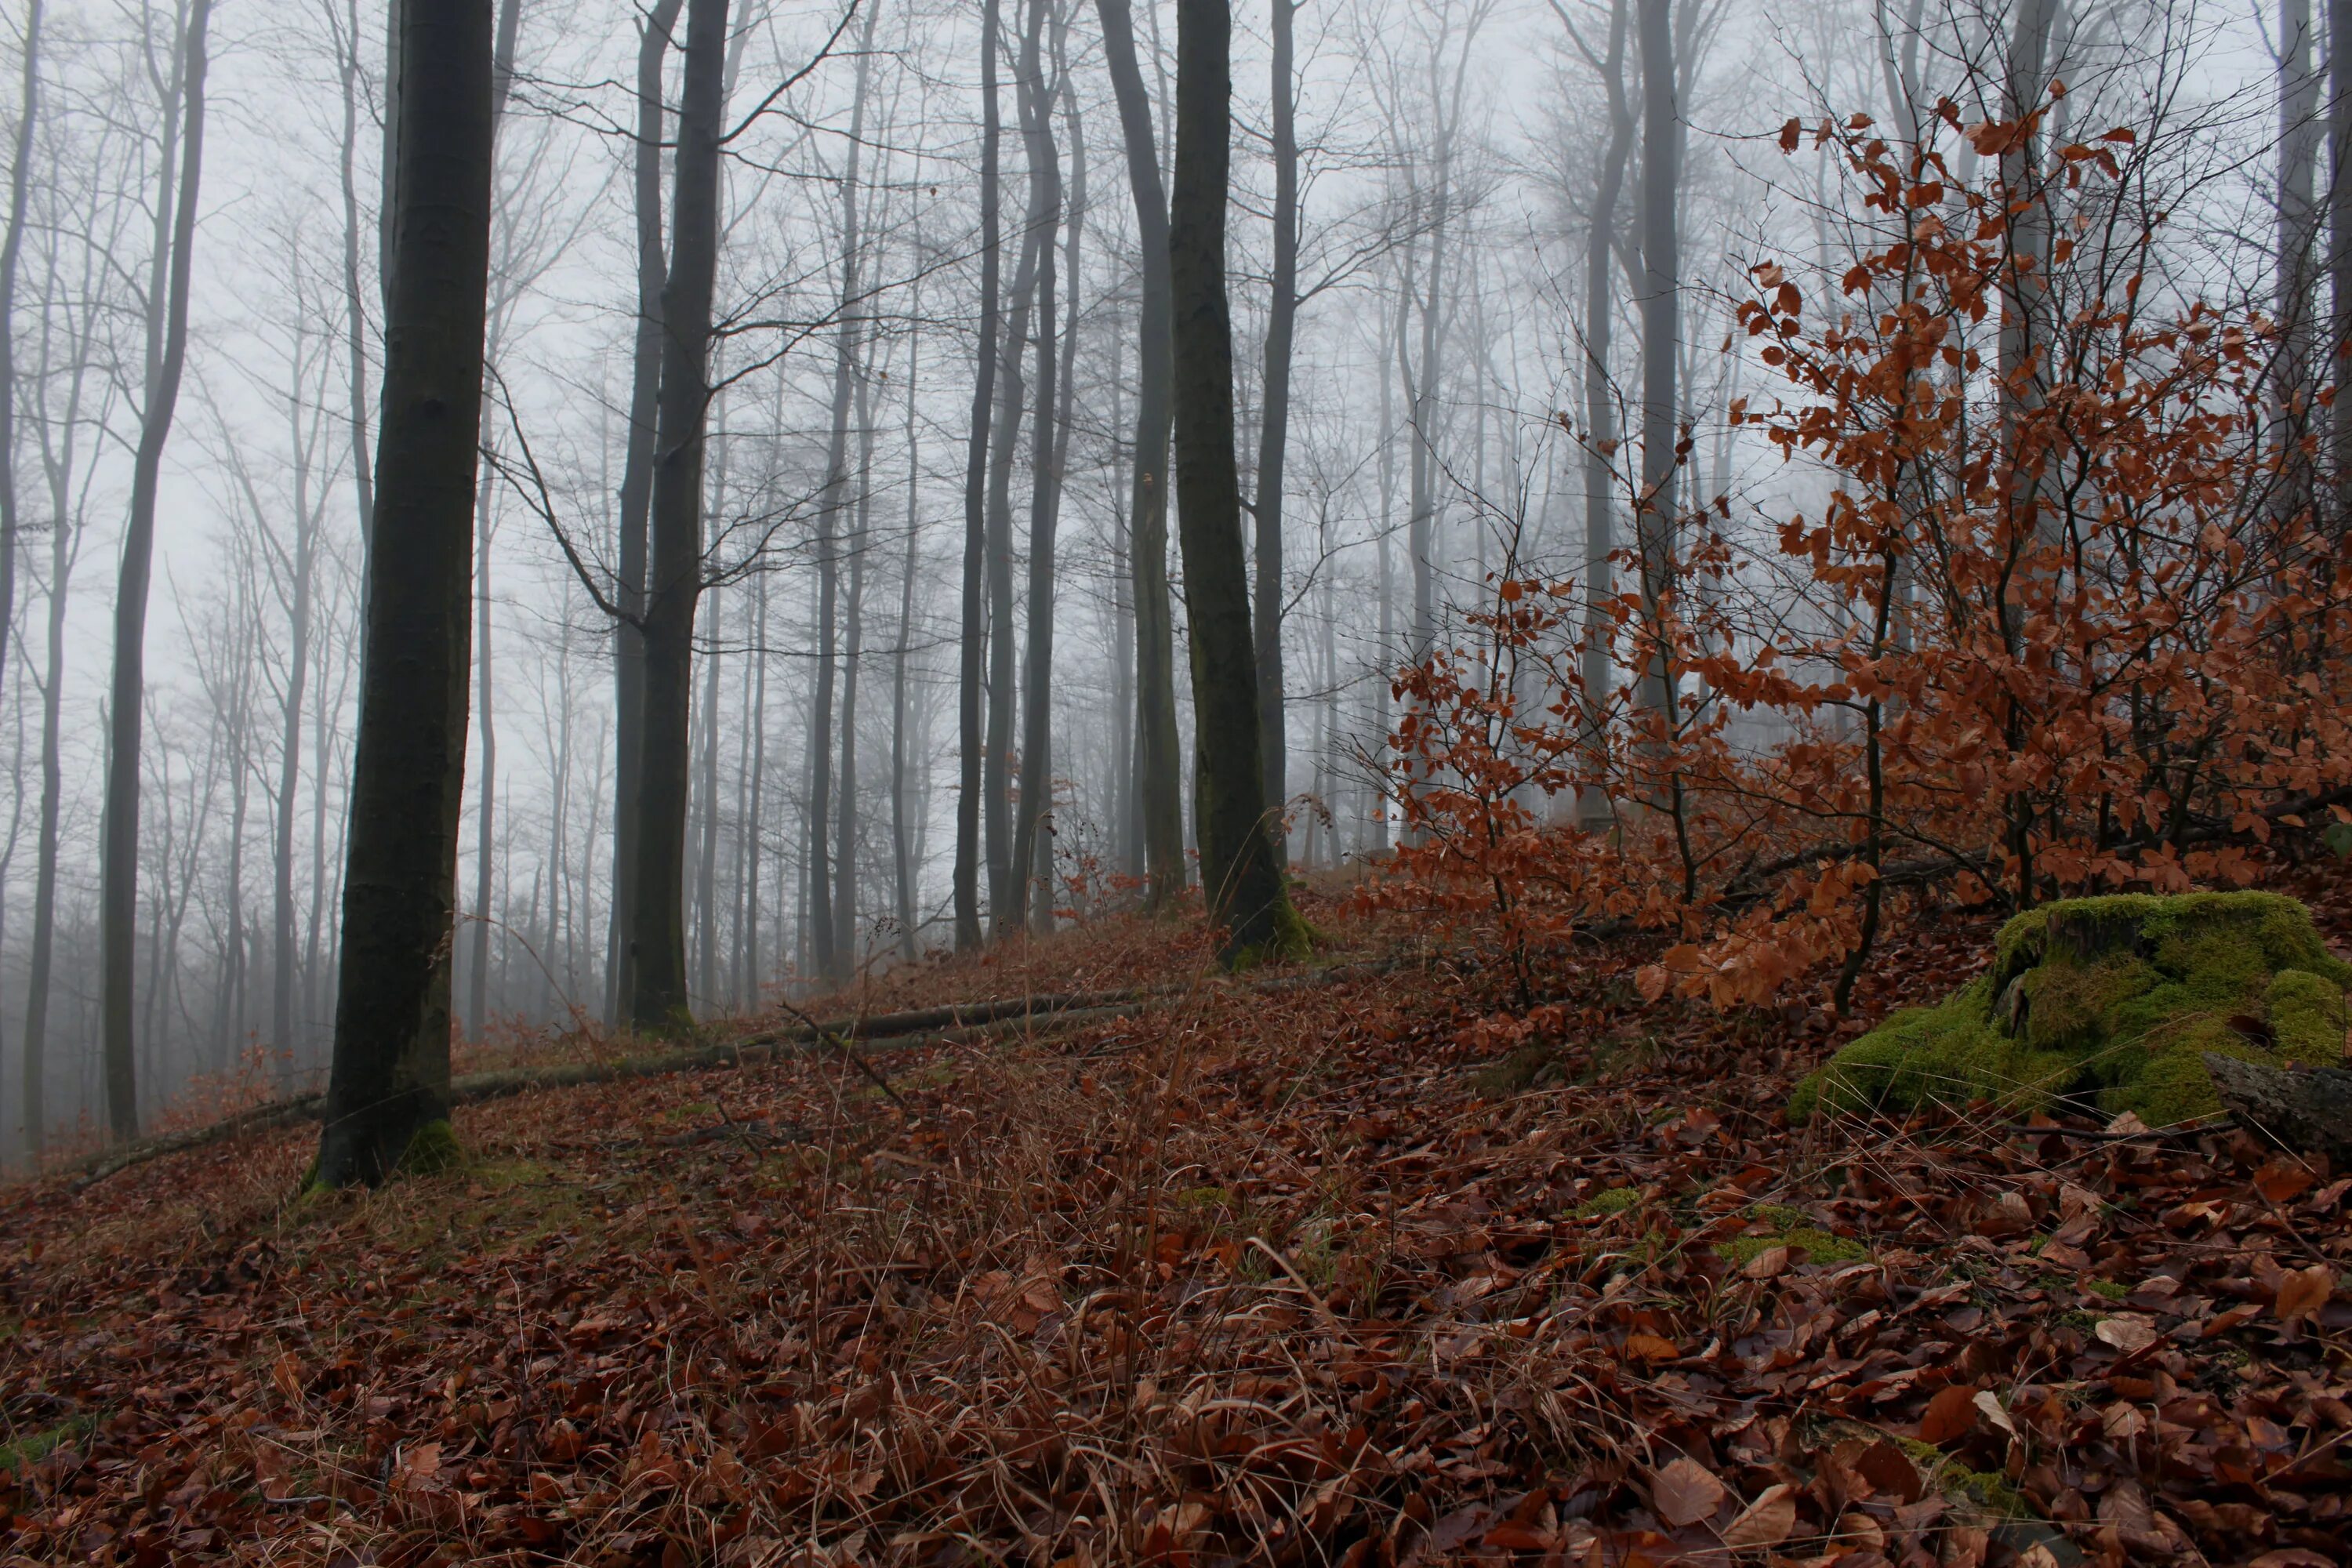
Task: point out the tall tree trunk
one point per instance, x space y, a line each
902 872
636 502
65 553
167 350
996 773
290 751
2298 233
754 799
1159 764
2339 252
391 1073
1238 872
12 245
706 982
971 771
1653 517
845 858
1273 431
848 342
485 822
477 935
1037 792
1600 441
674 583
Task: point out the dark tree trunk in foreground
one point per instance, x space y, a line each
1159 769
167 354
674 583
1238 874
1274 431
391 1073
975 505
637 500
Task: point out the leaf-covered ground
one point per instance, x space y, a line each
1348 1268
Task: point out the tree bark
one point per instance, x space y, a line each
674 583
637 500
1159 764
2340 250
901 866
391 1073
12 245
846 828
1274 431
167 350
1601 440
1654 516
971 771
1238 872
848 344
2308 1111
2298 278
1037 792
996 772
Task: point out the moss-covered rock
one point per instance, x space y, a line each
2116 998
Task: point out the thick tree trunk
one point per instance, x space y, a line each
167 350
1037 784
1274 431
970 769
1159 764
390 1073
1238 872
637 501
674 583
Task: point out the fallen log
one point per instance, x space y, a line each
2307 1111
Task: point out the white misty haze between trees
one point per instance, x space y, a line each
857 561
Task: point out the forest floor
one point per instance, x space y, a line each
1333 1263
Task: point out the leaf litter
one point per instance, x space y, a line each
1258 1275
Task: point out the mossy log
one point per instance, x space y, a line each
2117 1002
2309 1112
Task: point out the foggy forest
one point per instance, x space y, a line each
1180 781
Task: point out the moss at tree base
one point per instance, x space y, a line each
2115 998
433 1149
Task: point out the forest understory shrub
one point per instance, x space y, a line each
2072 620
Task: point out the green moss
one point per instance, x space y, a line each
1819 1246
1616 1200
2116 998
431 1150
2112 1289
1292 940
22 1452
2305 1013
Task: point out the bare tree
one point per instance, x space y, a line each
637 500
1159 770
675 580
181 90
389 1077
970 772
1238 871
